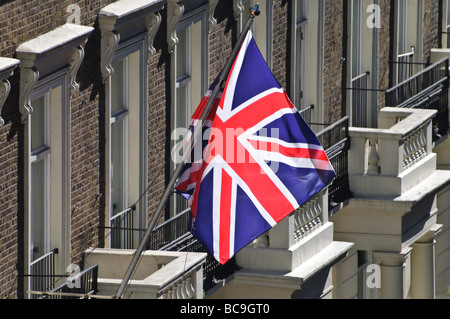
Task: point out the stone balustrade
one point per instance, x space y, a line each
307 218
183 288
389 160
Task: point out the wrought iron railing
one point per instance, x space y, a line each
78 286
404 66
360 100
427 89
306 113
336 142
174 235
170 231
42 273
122 232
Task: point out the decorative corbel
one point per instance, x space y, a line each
28 79
238 8
76 56
5 88
7 66
152 23
212 9
110 41
174 12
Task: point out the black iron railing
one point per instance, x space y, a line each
174 235
78 286
306 113
42 272
427 89
404 66
336 142
169 231
360 100
122 232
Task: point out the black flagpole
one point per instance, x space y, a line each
198 129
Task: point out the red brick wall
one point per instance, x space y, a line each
20 21
280 54
431 27
384 49
333 64
222 37
158 88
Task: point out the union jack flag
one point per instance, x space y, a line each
260 162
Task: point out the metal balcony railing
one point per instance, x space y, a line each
427 89
42 273
404 66
122 232
306 113
360 100
336 142
78 286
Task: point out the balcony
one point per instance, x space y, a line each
398 204
289 259
428 89
160 275
390 160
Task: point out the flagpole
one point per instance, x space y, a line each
198 129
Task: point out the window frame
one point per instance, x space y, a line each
57 175
135 154
312 24
413 37
198 15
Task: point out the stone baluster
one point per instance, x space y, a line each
374 158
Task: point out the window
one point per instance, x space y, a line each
300 55
40 177
47 162
44 103
190 76
306 71
189 88
356 38
359 78
127 31
127 139
408 39
362 66
119 138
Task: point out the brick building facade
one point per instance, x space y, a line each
88 212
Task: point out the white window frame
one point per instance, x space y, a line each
412 35
196 87
311 25
364 77
41 154
50 63
57 166
300 25
135 115
115 118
